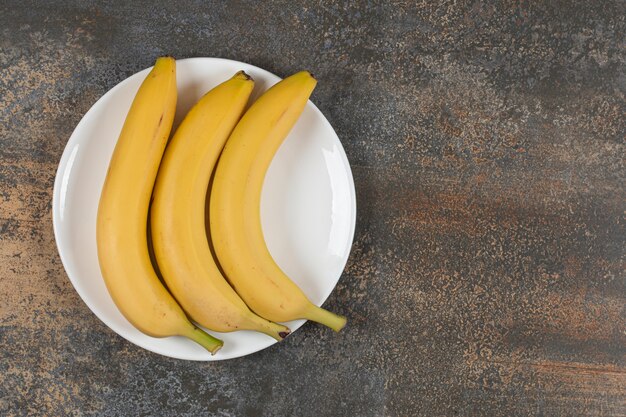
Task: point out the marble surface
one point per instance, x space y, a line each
487 142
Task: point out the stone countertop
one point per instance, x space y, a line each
487 143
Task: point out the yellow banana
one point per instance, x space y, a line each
234 212
123 213
178 213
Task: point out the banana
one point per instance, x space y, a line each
179 209
234 210
123 213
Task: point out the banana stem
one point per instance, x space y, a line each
205 340
325 317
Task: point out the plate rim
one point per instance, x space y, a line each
62 167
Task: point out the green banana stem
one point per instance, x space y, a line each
325 317
204 339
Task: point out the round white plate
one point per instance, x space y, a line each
308 204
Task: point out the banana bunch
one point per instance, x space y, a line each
165 187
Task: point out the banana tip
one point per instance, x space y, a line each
165 58
243 74
284 334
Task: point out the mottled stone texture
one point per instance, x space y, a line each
487 142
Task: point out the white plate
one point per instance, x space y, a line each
308 204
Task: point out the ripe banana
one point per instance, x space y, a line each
123 213
234 212
178 213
